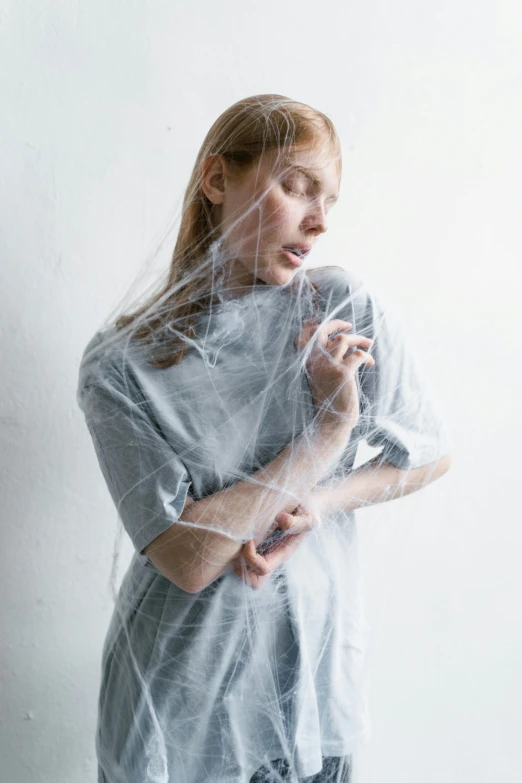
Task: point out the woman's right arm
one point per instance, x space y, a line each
192 555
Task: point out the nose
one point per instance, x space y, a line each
315 218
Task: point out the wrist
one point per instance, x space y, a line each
334 426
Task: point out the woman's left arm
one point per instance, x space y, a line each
372 483
376 482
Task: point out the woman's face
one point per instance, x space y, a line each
272 215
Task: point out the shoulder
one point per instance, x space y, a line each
340 287
105 362
327 278
336 284
354 299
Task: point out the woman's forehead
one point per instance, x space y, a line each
318 157
321 165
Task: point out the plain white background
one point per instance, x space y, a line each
104 106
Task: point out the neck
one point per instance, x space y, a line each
238 281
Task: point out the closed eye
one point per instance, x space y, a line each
293 190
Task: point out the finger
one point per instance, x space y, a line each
291 523
243 570
257 563
325 330
352 339
334 324
256 582
249 550
251 559
253 580
283 552
357 358
329 327
274 560
343 342
294 523
241 562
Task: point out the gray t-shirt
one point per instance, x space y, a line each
206 687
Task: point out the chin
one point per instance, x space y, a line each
279 276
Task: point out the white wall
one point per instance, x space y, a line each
104 107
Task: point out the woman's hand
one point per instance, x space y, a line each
255 568
332 367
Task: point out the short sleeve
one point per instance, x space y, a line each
147 480
399 411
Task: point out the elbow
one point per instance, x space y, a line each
439 468
189 562
189 587
175 559
196 583
192 586
427 474
444 464
189 583
185 581
197 580
189 580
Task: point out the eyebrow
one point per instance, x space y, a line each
310 175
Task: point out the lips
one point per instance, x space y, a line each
298 249
294 258
296 253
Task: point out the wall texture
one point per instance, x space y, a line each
104 105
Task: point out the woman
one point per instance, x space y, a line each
226 413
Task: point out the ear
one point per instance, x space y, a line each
213 178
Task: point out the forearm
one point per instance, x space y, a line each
212 530
377 482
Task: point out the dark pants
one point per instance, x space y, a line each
335 770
